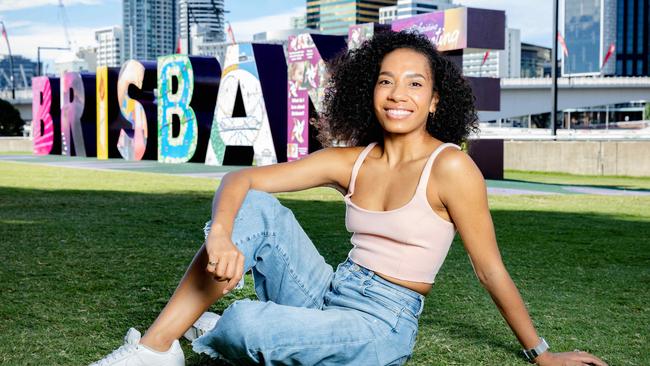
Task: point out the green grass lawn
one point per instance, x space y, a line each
87 254
580 180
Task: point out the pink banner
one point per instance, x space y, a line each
306 78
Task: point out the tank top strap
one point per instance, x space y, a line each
426 172
357 166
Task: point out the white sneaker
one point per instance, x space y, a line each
132 353
202 325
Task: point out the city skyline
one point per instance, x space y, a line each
27 30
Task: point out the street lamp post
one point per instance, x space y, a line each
187 23
554 70
38 55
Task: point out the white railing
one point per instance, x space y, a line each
632 81
517 133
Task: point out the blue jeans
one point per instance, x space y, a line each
307 314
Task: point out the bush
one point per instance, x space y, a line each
10 122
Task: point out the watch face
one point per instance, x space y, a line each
240 130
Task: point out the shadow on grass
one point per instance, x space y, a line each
86 265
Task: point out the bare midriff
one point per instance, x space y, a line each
419 287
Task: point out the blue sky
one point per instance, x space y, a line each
33 23
99 13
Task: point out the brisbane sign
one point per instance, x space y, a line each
256 108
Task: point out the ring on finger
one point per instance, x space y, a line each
212 263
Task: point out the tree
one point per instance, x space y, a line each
646 111
10 122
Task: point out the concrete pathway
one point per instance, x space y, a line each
148 166
496 187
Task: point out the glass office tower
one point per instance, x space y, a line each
335 16
149 28
589 30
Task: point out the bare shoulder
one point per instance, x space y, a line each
456 173
451 161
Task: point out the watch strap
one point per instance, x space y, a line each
541 347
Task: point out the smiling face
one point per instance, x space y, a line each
403 95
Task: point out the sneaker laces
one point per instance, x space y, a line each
131 342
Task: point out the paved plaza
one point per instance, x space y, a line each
497 187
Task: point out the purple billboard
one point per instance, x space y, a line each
459 28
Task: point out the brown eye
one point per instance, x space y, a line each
383 82
415 83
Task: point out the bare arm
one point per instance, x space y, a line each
462 190
325 167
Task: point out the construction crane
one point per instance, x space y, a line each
64 21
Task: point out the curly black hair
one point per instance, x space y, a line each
348 115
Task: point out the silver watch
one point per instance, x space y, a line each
541 347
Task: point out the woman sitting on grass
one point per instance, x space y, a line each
402 108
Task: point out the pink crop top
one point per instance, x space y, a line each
409 243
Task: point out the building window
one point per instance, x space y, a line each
629 19
628 70
639 43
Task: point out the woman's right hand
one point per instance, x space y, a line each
225 260
326 166
575 358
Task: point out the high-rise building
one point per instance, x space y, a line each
607 37
110 46
504 63
297 22
89 55
408 8
149 28
68 61
387 14
205 21
633 38
589 32
535 61
335 16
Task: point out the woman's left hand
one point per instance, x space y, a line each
575 358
